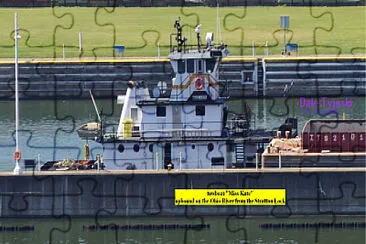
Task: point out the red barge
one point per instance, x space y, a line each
323 143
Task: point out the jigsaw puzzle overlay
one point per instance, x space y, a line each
50 130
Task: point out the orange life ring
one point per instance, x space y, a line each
17 155
198 83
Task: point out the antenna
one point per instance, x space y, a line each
95 105
198 32
17 155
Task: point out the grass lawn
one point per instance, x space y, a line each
44 31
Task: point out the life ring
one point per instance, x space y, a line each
17 155
198 83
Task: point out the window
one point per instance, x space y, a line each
199 65
210 147
190 66
160 111
121 148
134 114
247 76
200 110
181 66
210 65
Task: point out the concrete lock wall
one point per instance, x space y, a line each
240 77
144 194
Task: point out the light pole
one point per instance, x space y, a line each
17 154
284 24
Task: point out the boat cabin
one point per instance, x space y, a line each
194 108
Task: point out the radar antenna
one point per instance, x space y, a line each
180 40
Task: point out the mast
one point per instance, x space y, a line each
17 154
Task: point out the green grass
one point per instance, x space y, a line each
140 29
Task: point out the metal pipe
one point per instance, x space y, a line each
17 169
95 105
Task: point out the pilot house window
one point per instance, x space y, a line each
200 110
210 65
199 65
160 111
190 66
181 66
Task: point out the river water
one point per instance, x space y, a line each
218 230
48 127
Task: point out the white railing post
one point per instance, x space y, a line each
98 162
264 81
266 49
253 48
180 161
39 162
279 160
63 51
80 42
157 160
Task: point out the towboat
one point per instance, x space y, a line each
185 124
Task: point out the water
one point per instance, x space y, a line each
217 230
48 128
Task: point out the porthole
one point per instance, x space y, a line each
193 146
210 147
121 148
136 147
151 147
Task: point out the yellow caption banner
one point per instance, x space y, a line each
230 197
